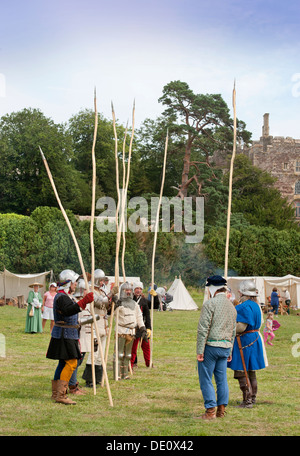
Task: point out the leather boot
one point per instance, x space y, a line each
253 382
210 414
247 400
54 389
220 411
74 389
61 396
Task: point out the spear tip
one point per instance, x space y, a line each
42 153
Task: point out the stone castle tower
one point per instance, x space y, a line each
280 157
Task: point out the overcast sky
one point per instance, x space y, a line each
53 53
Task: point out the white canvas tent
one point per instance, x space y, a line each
182 299
265 285
13 285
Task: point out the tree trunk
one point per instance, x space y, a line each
185 181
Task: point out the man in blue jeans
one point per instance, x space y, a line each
215 337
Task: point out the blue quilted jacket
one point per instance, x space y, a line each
66 333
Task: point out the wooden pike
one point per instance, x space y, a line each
154 243
230 183
93 268
125 186
73 237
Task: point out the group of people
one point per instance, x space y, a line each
67 305
229 336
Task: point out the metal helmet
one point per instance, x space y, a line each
123 294
66 277
80 288
98 276
248 288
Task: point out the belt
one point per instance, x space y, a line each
61 324
218 340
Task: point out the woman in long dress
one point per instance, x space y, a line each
34 313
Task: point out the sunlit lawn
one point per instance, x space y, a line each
162 401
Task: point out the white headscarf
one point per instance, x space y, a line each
214 288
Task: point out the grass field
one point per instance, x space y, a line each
162 401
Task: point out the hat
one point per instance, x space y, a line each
138 285
216 281
248 288
53 284
40 285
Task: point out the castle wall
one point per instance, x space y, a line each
280 157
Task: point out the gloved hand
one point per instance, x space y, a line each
144 333
148 333
86 300
100 301
153 292
114 290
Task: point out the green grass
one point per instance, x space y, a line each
162 401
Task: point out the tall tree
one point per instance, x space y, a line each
202 125
81 129
24 183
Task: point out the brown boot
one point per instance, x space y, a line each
247 399
253 382
74 389
220 411
54 390
210 414
61 396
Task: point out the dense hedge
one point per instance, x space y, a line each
40 242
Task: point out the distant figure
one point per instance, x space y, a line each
47 306
275 301
268 330
33 316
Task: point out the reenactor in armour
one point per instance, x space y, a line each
130 317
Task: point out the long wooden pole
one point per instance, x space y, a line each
76 246
66 218
230 183
125 187
122 224
92 240
118 239
154 243
104 370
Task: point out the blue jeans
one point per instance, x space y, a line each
215 363
275 308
